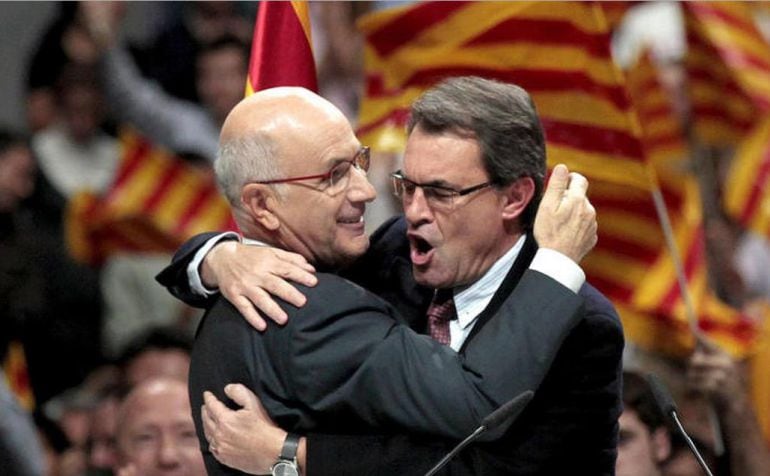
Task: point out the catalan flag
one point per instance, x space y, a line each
154 204
747 188
281 52
558 51
663 137
728 70
656 317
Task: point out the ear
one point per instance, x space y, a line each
260 201
661 444
516 197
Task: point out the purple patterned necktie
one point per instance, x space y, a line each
441 311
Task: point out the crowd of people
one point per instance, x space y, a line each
108 351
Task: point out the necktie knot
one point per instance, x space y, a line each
441 311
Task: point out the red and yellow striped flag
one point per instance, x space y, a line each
663 137
728 69
155 203
747 188
655 316
558 51
281 52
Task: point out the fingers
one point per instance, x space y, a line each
578 185
246 308
296 259
241 395
557 185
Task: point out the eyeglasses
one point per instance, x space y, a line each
437 196
337 176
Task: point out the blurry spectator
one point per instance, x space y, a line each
170 60
683 463
161 352
75 153
21 453
644 441
65 41
63 343
182 126
712 373
155 432
62 458
19 283
101 448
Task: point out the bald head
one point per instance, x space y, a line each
268 134
276 112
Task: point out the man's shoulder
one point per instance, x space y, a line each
597 306
336 292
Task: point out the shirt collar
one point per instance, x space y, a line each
471 300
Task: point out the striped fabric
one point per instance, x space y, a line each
558 51
155 203
747 188
728 69
656 317
281 53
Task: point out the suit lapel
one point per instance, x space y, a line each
506 288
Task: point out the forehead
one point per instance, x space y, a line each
315 146
446 155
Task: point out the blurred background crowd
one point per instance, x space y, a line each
95 95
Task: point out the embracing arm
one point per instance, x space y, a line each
449 394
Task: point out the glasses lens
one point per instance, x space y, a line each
338 175
362 159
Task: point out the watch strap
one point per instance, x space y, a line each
290 445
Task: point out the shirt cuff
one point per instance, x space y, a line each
559 267
193 269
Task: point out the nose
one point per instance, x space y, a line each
360 189
416 209
168 453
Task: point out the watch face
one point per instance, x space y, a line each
285 468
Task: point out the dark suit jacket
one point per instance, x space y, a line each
570 427
573 415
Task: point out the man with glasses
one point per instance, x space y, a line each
473 172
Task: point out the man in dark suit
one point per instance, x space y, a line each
474 167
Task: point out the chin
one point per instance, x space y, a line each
424 277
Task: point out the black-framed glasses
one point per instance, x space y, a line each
437 196
337 176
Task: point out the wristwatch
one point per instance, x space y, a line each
287 461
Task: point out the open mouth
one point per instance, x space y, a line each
421 250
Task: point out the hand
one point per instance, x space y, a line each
102 21
566 220
245 439
249 277
711 372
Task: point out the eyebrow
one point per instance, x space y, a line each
433 183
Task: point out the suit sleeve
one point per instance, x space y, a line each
395 379
174 276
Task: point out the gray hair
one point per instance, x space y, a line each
246 159
500 116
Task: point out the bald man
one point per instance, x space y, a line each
155 432
295 176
